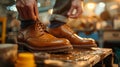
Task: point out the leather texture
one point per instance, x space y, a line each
36 37
64 31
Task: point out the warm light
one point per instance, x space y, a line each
50 11
38 4
12 8
89 9
100 7
90 6
114 7
101 4
117 1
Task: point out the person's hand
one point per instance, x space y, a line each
27 9
76 9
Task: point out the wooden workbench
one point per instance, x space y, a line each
94 57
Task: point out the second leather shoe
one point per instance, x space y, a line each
36 39
64 31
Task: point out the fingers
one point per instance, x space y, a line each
70 11
19 11
27 10
19 6
75 12
76 9
24 14
36 12
31 14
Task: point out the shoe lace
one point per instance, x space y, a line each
41 27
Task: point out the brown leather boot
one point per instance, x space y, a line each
36 39
65 31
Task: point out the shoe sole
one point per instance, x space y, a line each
84 46
64 49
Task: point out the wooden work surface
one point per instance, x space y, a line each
88 56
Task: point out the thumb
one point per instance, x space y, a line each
70 11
